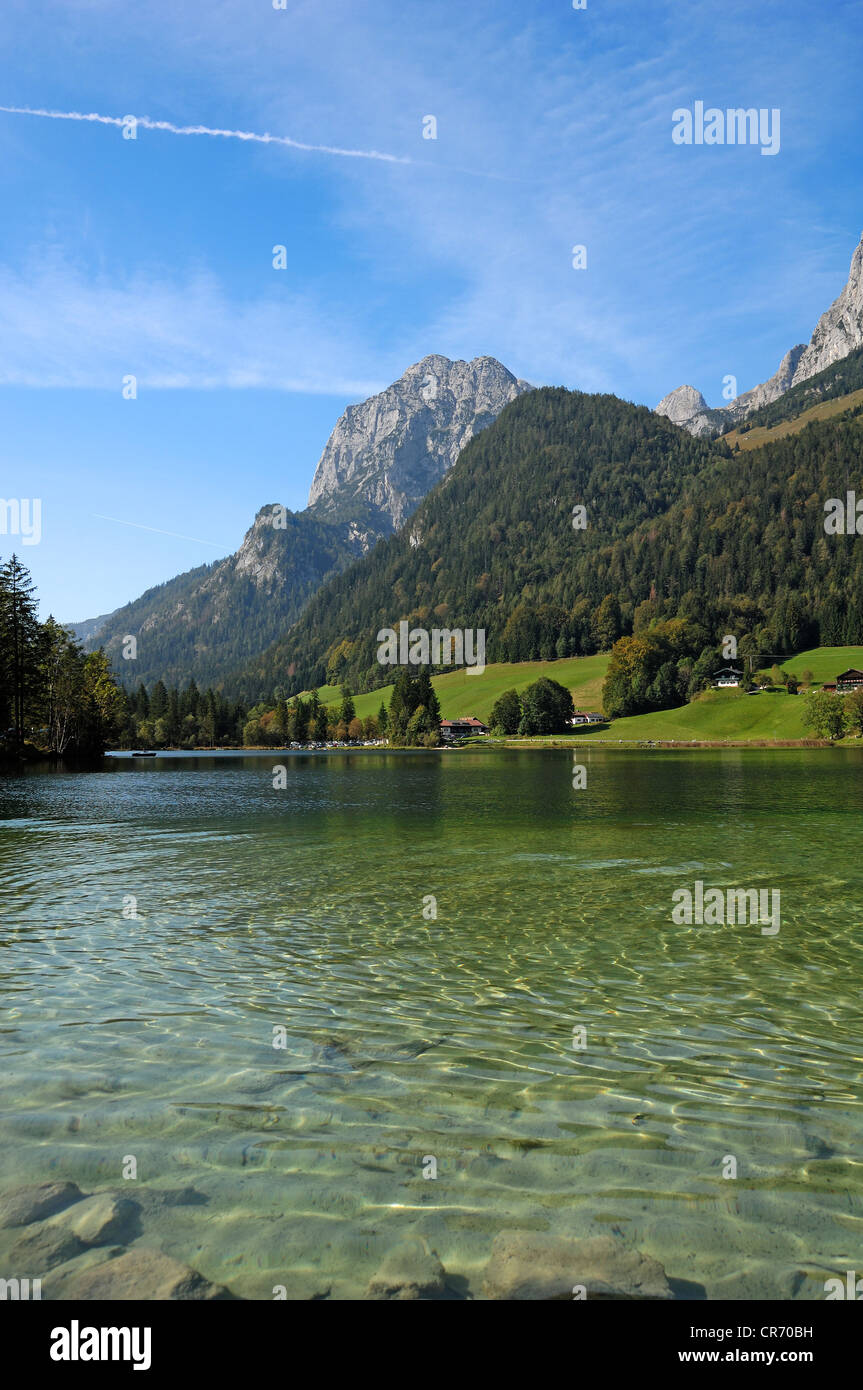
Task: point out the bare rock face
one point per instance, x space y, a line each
143 1274
380 461
687 407
409 1272
387 452
27 1204
838 332
528 1266
781 381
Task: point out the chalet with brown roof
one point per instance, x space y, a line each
851 679
458 728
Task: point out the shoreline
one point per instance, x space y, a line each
557 741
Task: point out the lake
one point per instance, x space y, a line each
447 1043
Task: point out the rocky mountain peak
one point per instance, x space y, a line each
838 332
682 404
387 452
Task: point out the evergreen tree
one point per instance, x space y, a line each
426 696
348 709
19 641
158 701
301 721
173 723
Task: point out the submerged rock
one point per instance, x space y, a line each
408 1272
147 1275
27 1204
524 1265
43 1247
153 1199
102 1220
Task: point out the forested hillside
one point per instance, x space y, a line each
494 546
675 526
209 620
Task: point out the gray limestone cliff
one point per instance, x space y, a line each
838 332
386 453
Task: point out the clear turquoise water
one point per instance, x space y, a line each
406 1037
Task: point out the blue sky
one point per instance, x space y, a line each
153 257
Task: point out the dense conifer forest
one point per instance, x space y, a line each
55 700
674 528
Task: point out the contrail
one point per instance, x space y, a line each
146 124
156 531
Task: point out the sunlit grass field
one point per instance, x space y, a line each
715 715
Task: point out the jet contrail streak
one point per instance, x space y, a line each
146 124
157 532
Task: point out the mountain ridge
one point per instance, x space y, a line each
838 332
678 528
381 457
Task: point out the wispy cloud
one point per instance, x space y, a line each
61 329
145 123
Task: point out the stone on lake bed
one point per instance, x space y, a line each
409 1271
34 1203
44 1246
102 1220
524 1265
156 1199
144 1274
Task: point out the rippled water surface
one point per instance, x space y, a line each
408 1038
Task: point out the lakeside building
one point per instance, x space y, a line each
457 728
727 677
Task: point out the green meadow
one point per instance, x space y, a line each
713 716
461 694
733 715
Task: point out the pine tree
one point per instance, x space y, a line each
158 701
348 709
426 696
173 723
19 641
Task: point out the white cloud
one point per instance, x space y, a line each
61 329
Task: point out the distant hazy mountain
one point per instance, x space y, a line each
380 460
838 332
89 628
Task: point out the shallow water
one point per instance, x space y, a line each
408 1038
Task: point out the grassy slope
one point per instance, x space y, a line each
761 434
720 714
730 714
461 694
